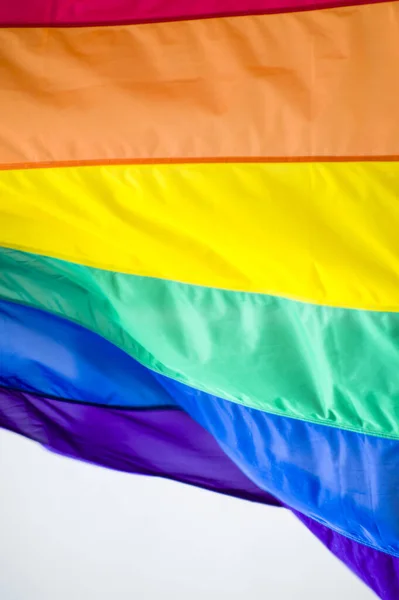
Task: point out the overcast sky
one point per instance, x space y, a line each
72 531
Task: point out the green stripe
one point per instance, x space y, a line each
327 365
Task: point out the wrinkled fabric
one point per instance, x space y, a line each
378 570
307 467
204 464
203 89
269 220
320 364
43 354
199 251
161 442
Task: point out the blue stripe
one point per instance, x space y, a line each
42 353
346 480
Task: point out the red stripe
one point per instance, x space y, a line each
111 12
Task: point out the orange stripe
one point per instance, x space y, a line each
321 83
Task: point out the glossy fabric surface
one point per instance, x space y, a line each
344 480
308 467
165 443
320 364
42 353
378 570
245 227
204 464
199 262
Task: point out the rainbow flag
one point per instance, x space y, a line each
199 263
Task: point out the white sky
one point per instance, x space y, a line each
72 531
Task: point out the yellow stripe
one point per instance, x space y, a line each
320 232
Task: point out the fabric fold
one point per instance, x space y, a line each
260 351
307 467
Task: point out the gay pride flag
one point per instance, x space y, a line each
199 263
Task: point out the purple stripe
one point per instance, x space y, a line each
165 443
168 443
378 570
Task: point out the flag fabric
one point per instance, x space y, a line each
199 259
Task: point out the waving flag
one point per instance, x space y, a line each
199 263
